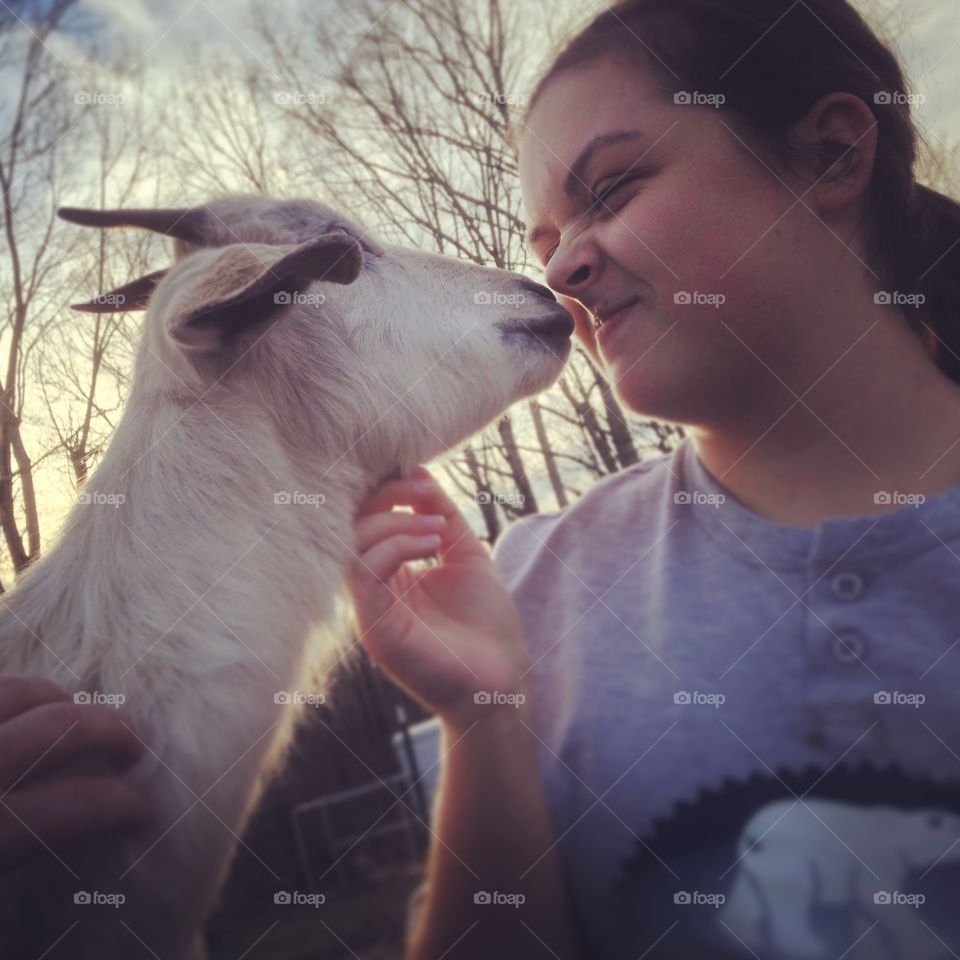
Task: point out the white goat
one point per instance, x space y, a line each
289 364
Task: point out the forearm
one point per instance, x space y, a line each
493 836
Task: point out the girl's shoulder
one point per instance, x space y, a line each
607 510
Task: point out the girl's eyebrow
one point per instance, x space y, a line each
574 179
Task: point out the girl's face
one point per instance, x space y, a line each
634 199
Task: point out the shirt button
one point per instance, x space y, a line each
847 586
849 647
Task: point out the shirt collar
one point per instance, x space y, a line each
871 541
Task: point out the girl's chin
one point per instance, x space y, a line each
636 388
622 362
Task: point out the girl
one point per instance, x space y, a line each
708 710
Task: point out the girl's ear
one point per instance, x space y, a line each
244 286
841 132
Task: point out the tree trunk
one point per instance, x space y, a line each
517 467
549 457
616 422
488 509
588 417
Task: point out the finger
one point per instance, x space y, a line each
374 527
425 495
385 558
392 493
20 692
66 810
52 735
377 583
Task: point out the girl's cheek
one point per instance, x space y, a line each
583 324
652 241
695 242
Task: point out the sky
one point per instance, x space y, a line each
930 51
162 35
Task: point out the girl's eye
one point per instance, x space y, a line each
600 199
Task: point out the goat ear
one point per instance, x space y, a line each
246 285
131 296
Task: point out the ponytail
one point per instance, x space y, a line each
933 271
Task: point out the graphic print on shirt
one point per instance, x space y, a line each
865 865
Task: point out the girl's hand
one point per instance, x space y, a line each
449 633
44 802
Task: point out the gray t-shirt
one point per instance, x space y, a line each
750 732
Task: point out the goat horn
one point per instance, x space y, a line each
185 223
131 296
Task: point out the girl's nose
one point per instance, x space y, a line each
573 267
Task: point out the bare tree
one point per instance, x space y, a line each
231 143
72 364
409 125
38 121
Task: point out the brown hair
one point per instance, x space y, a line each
772 60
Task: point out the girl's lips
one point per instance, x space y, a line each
615 320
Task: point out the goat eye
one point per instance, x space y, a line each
347 231
364 244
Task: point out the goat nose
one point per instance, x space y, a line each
538 290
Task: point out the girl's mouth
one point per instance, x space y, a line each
605 320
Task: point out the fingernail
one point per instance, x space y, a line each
431 521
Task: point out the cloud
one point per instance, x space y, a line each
930 52
167 31
127 17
